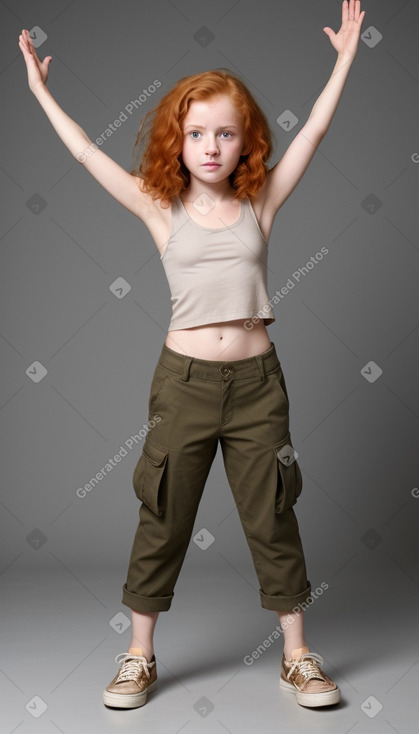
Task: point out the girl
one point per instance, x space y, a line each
209 202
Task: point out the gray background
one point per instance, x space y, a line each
64 558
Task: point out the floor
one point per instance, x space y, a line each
62 631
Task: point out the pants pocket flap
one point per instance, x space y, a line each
154 454
148 475
290 481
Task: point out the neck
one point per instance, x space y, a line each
220 192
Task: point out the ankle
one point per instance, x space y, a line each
289 650
147 652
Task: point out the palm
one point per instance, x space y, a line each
346 40
37 70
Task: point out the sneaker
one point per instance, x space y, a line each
135 679
303 676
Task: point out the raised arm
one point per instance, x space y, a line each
118 182
283 177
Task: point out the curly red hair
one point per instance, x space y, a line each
162 170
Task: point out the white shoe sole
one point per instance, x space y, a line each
128 700
311 699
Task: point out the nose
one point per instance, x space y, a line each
211 146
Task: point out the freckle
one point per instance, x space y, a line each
221 337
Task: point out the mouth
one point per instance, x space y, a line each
212 165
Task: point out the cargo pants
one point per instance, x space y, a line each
194 404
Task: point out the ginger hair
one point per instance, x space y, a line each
162 170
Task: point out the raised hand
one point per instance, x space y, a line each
345 42
37 70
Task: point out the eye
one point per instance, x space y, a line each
193 133
226 134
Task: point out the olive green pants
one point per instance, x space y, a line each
193 404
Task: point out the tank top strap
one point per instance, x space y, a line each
247 210
179 215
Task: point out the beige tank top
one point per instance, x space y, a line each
216 275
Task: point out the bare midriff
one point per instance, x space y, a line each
222 341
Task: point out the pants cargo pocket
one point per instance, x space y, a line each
148 474
290 481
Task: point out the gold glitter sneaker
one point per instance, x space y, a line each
303 676
135 679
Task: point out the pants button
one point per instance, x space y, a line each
225 370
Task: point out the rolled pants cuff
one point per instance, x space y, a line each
146 603
284 603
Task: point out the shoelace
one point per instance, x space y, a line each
133 666
308 666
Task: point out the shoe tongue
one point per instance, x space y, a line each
295 654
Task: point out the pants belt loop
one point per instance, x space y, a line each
259 361
186 367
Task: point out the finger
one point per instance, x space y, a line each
29 39
329 32
22 40
25 39
357 9
27 47
24 47
31 47
345 6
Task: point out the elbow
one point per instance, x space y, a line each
322 132
314 133
82 155
318 134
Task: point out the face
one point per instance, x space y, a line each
212 131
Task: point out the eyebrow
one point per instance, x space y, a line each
200 127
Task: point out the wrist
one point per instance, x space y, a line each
345 58
38 89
